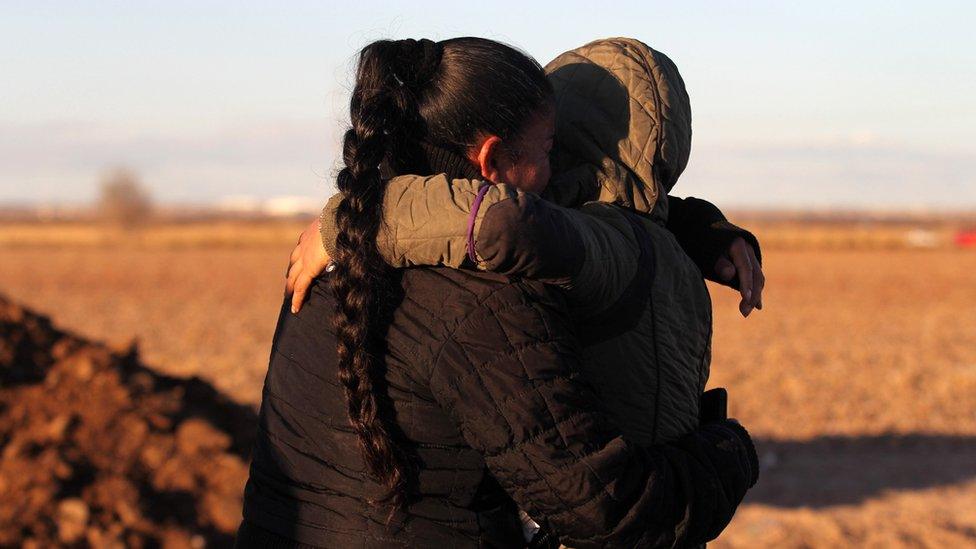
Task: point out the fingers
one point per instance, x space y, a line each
304 265
758 279
295 254
301 290
724 269
739 251
293 273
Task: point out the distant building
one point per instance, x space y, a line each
288 206
239 204
278 206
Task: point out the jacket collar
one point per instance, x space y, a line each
432 160
444 161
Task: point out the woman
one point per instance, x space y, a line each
457 399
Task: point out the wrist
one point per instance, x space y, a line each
727 232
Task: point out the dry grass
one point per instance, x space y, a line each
190 234
857 379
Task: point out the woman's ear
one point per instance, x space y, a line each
488 158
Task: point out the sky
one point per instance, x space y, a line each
817 105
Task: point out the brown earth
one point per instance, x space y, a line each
98 450
857 378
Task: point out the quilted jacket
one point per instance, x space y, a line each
482 376
623 138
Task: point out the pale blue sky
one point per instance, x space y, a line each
829 104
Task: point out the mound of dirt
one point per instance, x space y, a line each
98 450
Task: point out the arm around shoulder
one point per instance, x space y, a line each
592 251
437 221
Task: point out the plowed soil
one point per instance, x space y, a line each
98 450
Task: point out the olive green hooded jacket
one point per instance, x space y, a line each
601 230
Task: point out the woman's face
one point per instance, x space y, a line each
528 169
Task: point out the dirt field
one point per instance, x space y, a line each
857 378
101 451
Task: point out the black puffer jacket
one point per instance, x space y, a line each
481 374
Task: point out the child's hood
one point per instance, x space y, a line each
623 130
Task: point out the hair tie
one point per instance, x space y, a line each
417 61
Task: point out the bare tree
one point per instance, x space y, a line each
123 199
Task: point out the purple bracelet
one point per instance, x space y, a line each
471 219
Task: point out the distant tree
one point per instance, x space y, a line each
123 199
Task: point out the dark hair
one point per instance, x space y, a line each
447 94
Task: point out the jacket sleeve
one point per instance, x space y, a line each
536 423
592 251
705 234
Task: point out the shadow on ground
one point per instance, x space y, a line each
838 470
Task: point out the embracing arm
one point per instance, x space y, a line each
524 409
427 220
427 238
592 250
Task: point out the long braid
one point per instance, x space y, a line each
404 95
381 112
